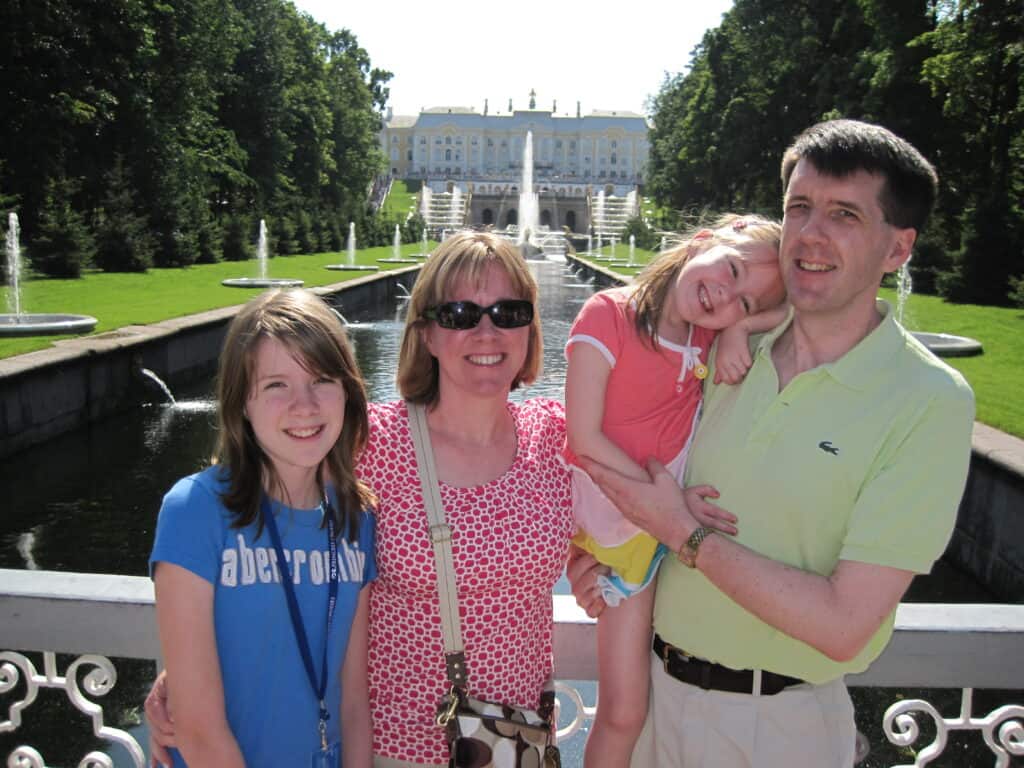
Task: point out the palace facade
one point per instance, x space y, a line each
482 153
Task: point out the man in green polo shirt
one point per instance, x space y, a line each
844 454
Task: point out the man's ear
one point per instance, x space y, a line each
902 246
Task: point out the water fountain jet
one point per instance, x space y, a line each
350 248
19 323
262 249
396 251
941 344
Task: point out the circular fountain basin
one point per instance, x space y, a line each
409 260
44 324
352 267
262 282
947 345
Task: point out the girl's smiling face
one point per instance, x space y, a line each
721 285
296 415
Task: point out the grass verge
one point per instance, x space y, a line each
120 299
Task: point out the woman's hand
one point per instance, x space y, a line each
161 723
582 571
709 515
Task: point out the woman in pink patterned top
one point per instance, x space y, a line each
505 490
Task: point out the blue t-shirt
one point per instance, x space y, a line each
270 704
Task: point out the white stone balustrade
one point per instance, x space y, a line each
934 646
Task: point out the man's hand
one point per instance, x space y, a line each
582 571
161 723
656 505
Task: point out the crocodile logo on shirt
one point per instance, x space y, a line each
827 447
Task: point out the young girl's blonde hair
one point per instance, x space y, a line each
651 286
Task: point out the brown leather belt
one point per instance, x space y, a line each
714 677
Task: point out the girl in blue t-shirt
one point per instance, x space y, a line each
260 561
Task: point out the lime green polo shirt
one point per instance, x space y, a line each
862 459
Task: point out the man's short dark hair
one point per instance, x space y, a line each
841 147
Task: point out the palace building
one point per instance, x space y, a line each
479 156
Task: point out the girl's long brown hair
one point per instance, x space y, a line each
314 334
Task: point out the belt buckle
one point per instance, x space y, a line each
669 648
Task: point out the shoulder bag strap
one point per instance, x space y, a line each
441 539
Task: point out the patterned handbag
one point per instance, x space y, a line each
481 734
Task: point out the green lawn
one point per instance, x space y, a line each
401 200
996 376
120 299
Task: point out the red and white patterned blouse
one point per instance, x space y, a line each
510 540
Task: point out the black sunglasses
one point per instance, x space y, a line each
463 315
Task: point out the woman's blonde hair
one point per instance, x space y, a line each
313 333
651 286
463 257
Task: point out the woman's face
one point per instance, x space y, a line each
482 361
295 415
720 286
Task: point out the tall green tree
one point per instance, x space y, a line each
123 242
977 71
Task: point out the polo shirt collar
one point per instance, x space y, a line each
859 367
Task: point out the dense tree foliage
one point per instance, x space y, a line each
945 74
196 117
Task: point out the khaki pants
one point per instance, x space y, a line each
688 727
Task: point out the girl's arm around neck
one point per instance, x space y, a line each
765 320
733 359
586 381
356 731
184 612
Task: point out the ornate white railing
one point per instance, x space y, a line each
935 646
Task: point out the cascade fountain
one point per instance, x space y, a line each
262 249
19 323
350 248
598 225
424 249
396 251
425 196
942 344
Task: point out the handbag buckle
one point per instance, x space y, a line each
447 711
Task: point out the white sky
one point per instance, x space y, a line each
458 52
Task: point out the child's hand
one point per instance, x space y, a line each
733 359
707 514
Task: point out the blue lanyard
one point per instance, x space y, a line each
319 686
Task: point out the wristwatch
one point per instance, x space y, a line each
687 553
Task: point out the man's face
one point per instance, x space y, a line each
836 244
